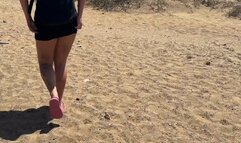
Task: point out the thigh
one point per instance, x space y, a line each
45 51
63 48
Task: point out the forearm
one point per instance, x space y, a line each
24 4
81 4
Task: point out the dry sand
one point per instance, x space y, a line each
133 78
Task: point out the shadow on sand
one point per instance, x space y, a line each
13 124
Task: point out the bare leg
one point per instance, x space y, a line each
45 51
62 50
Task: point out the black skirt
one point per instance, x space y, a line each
48 32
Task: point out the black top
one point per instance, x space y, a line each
55 12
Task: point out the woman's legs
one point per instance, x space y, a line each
45 51
54 52
61 53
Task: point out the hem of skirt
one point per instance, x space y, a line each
39 38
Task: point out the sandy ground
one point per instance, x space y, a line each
133 78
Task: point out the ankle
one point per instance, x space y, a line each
54 93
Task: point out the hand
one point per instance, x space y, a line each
79 24
31 25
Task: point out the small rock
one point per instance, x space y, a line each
107 116
87 121
86 80
208 63
4 21
110 28
189 57
77 99
130 74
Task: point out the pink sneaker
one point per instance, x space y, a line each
54 108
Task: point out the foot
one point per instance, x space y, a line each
54 108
